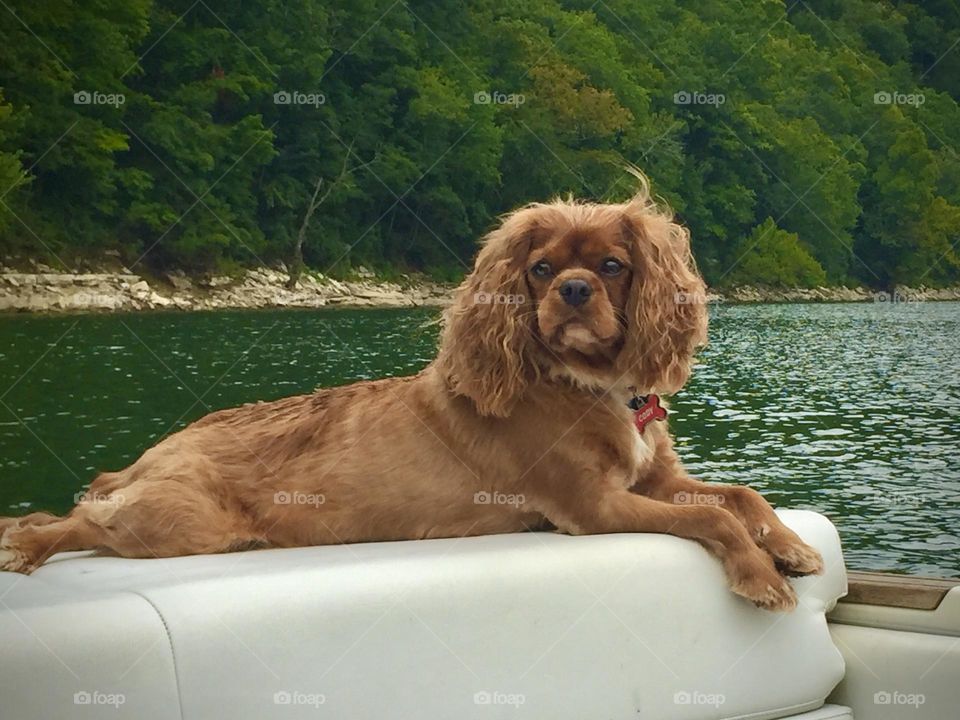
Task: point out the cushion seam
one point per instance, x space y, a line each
173 654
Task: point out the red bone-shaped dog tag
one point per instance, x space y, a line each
649 411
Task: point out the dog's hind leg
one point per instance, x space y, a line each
150 518
24 545
36 518
101 487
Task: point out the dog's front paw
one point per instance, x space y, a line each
758 581
792 555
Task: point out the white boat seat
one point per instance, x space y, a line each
533 625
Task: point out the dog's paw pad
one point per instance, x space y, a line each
797 559
762 585
781 598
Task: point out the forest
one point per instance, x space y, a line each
803 143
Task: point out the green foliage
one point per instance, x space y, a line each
803 143
773 257
12 175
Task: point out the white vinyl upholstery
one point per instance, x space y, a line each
827 712
69 653
533 625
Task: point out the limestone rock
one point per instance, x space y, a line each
179 280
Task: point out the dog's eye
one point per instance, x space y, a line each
541 269
610 266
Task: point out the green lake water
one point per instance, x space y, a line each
850 410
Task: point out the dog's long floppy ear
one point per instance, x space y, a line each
666 311
488 330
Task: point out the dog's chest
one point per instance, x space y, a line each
634 450
642 449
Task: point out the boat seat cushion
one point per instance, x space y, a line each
827 712
533 625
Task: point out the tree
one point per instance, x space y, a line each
316 200
773 257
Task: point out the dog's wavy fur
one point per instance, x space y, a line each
520 423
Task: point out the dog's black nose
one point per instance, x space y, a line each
575 292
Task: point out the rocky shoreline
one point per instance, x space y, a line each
45 290
49 291
900 294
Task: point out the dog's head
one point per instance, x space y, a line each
603 295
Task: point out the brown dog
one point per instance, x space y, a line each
520 423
